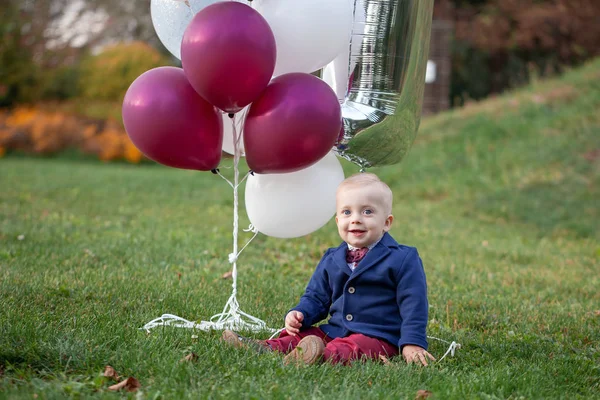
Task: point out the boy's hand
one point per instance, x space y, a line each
293 322
416 354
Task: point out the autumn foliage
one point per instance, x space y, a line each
47 130
567 30
501 44
35 130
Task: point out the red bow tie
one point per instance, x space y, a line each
354 256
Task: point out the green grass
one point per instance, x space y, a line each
500 198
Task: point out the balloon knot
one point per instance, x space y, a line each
251 172
215 171
231 115
251 228
232 258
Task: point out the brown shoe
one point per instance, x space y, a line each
239 341
309 351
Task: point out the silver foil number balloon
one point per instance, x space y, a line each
385 72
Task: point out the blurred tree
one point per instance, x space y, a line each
42 42
499 44
18 74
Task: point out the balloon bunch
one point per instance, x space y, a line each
245 88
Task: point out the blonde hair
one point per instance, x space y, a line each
365 179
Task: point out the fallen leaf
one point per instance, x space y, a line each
227 275
592 155
130 384
423 394
192 357
110 372
384 360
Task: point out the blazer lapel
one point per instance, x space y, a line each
374 255
339 257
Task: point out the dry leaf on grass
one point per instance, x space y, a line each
422 394
130 384
110 372
192 357
592 155
227 275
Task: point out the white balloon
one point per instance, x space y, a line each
171 17
309 33
240 117
294 204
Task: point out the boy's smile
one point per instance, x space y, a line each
361 215
357 232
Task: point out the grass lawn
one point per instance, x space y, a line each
501 199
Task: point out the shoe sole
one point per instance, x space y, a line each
232 339
235 340
307 351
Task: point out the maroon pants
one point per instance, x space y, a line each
338 350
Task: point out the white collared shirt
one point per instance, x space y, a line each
353 265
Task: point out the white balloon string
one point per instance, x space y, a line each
247 243
238 138
451 349
236 178
232 317
222 176
277 332
244 178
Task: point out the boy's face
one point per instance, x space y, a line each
361 215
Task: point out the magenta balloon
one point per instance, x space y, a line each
292 125
228 54
170 123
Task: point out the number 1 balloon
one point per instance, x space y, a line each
385 68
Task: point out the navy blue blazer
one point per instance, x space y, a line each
384 297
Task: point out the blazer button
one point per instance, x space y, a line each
351 290
349 317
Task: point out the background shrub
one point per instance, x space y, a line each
107 76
